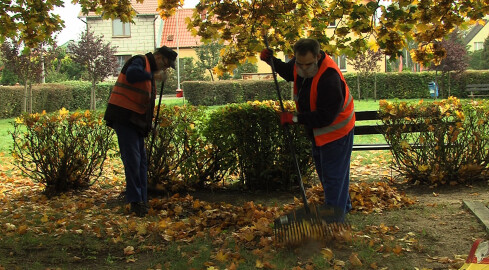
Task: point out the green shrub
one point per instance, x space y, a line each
80 90
180 157
50 97
233 91
453 140
60 150
251 144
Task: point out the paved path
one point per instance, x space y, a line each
480 210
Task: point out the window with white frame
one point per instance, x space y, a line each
340 60
478 46
120 29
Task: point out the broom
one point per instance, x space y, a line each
310 221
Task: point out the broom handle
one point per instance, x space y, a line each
156 123
288 135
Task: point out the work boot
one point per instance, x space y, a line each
139 208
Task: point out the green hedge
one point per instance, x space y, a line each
51 97
235 91
405 85
408 85
75 95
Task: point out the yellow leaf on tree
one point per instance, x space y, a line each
423 168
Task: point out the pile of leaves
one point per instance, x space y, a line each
368 197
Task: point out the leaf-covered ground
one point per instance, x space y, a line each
93 229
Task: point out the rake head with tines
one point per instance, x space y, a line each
310 222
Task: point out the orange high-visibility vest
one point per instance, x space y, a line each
344 122
132 96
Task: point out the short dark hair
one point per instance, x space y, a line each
305 45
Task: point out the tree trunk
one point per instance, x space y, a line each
93 96
212 76
24 107
449 89
43 71
436 84
375 86
30 96
358 84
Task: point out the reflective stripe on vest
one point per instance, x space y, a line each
132 96
344 122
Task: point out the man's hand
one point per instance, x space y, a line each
160 76
266 55
286 118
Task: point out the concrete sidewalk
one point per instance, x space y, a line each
480 210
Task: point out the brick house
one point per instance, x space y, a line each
130 39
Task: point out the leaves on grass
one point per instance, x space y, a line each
95 213
368 197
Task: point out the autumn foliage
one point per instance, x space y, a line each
452 146
63 151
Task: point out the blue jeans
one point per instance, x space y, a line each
332 162
133 155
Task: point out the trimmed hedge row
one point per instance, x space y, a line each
75 95
51 97
236 91
404 85
407 85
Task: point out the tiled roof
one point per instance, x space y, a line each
148 7
185 38
473 32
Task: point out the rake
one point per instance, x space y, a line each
309 221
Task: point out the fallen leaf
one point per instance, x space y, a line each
354 260
232 266
259 264
327 254
129 250
221 256
397 249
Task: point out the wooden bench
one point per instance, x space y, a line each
373 129
369 129
477 90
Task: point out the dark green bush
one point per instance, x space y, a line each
233 91
180 156
60 150
80 91
242 144
453 142
251 144
51 97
